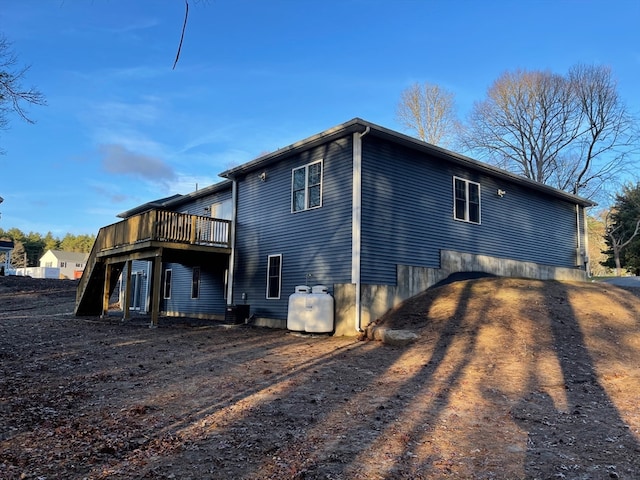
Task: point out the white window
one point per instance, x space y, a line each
167 283
274 276
222 210
466 200
306 187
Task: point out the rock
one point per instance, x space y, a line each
390 336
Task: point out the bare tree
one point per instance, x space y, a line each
13 96
572 132
607 133
430 111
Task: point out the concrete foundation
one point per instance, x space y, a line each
378 299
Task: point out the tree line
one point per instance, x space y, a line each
28 248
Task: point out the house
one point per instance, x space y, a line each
6 247
71 264
374 215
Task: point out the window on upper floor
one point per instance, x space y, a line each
466 200
306 187
222 210
274 276
63 264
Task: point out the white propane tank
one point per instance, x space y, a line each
320 316
298 312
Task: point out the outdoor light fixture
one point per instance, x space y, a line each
263 176
501 193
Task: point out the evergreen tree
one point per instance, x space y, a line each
623 231
51 243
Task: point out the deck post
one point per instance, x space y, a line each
156 290
126 312
106 290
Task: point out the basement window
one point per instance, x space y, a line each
167 284
195 282
274 276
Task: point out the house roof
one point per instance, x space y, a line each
368 128
176 200
75 257
6 245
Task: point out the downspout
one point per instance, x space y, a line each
356 218
578 235
587 261
232 241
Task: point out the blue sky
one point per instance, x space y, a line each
122 128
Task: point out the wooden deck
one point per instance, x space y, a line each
157 235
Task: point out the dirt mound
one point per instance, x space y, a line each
45 295
41 286
509 379
510 299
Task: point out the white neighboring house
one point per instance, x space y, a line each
6 247
71 264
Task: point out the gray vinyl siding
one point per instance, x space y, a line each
197 207
211 300
407 216
315 242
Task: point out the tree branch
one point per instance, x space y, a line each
184 27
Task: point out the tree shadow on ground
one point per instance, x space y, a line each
586 437
503 383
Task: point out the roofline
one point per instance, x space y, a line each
360 125
63 254
202 192
338 131
176 199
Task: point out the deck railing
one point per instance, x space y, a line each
165 226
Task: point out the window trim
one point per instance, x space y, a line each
306 186
269 276
166 284
195 283
467 203
226 283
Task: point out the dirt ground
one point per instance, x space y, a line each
510 379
